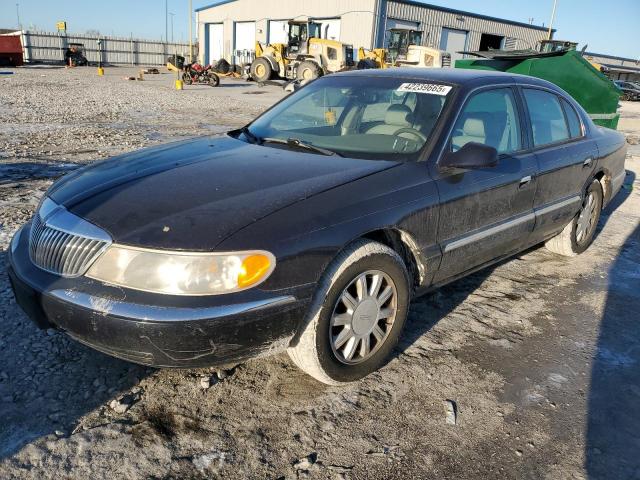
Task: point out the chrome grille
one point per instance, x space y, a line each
63 243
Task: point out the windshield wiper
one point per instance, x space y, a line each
251 136
297 143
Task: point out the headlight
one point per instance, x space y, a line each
182 273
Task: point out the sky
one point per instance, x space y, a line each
610 28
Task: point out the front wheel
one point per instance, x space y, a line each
261 70
357 315
214 80
578 235
186 79
308 70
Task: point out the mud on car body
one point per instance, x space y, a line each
311 228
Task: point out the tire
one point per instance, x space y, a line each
318 351
186 79
573 240
261 70
214 80
308 70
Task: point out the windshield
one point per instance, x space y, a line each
356 116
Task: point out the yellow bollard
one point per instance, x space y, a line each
100 71
179 85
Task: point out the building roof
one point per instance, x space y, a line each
621 68
211 5
613 57
475 15
425 5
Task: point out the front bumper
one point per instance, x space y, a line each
157 330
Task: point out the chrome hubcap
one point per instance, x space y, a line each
586 219
363 316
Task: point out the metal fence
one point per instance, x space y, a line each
50 47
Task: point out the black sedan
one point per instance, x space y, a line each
312 228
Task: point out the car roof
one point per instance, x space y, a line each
457 76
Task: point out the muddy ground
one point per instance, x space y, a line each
541 354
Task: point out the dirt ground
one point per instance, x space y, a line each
541 354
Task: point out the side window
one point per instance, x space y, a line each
575 127
491 118
547 118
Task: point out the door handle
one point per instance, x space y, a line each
587 162
525 180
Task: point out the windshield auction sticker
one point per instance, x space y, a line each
431 88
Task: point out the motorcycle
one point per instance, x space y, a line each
195 73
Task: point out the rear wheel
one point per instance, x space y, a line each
261 70
308 70
357 315
578 235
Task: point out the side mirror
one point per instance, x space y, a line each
471 155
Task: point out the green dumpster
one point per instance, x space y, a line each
568 69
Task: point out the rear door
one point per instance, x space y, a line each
486 213
566 159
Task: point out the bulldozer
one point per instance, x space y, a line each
376 58
305 56
405 50
424 57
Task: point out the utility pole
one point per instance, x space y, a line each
18 14
190 32
553 16
166 21
172 15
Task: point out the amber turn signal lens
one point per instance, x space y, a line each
253 269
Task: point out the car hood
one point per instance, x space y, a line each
191 195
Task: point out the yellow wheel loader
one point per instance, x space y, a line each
305 56
376 58
424 57
405 50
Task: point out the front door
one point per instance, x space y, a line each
486 213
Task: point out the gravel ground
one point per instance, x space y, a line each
529 369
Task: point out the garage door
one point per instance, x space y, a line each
244 41
215 42
453 41
278 31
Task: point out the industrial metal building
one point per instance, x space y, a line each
230 28
618 68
